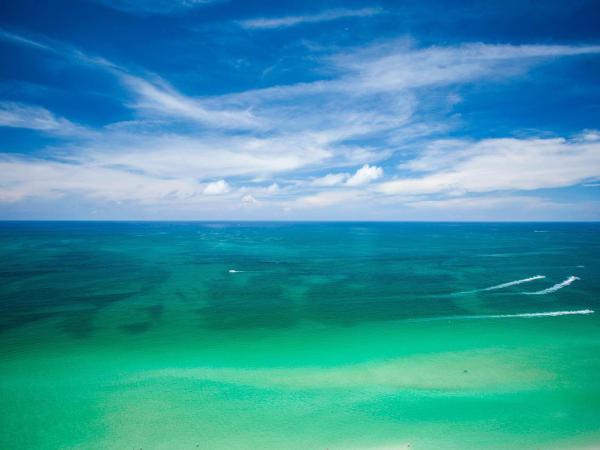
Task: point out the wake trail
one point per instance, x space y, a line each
514 283
504 285
538 314
556 287
510 316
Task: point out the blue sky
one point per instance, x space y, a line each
217 109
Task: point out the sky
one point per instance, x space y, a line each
284 110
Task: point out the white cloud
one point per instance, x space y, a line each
365 175
290 21
395 65
153 96
24 178
18 39
217 188
20 115
154 6
501 164
249 200
368 95
362 75
202 157
362 176
331 179
483 203
160 99
272 188
590 135
326 198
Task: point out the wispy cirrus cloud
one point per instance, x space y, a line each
153 96
20 115
488 202
325 199
331 179
27 177
393 66
22 40
158 98
397 66
265 23
144 7
203 157
334 141
458 167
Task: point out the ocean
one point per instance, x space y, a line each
227 335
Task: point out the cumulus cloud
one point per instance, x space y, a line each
272 188
365 175
217 188
362 176
249 199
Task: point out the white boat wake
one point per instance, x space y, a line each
510 316
556 287
504 285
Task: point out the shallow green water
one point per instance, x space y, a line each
139 335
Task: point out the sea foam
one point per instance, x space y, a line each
556 287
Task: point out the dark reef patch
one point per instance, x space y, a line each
136 328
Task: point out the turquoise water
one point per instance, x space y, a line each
306 335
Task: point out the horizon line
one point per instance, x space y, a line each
289 221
